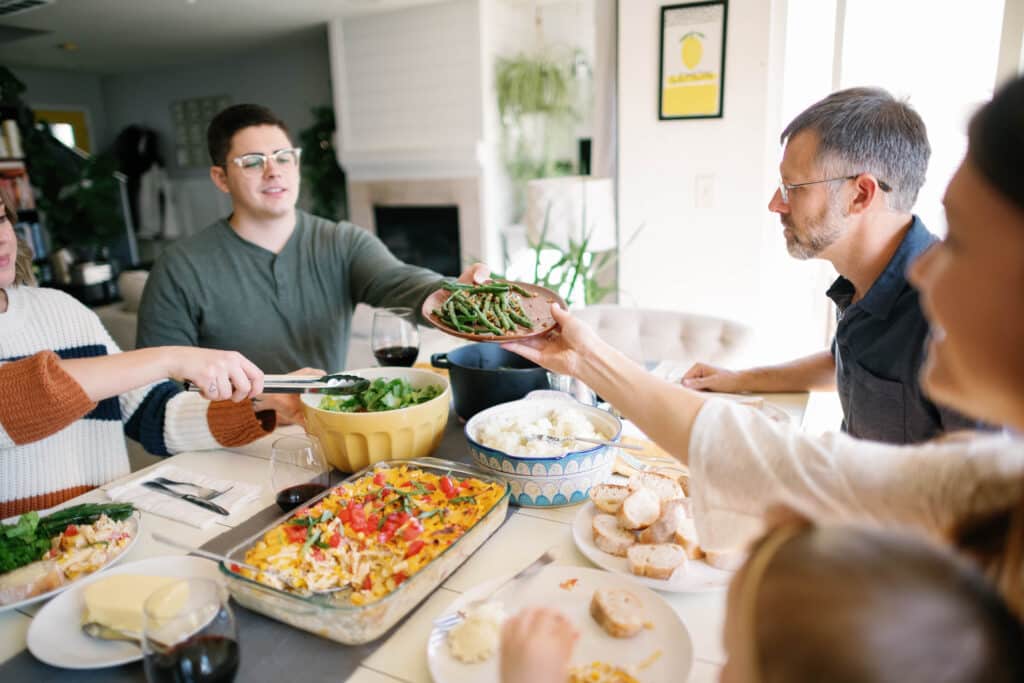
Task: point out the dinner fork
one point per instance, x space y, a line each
547 438
204 492
447 623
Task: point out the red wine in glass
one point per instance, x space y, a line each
201 659
292 497
404 356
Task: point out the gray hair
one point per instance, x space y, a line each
867 130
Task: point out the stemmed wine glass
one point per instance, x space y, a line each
298 470
394 338
189 633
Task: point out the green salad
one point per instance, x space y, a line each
383 394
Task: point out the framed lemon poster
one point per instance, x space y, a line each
692 64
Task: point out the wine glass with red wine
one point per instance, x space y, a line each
394 337
298 470
189 634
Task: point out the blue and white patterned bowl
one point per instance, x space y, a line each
550 481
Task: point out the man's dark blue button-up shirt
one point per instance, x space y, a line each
879 348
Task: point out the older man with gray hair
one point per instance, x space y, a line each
850 173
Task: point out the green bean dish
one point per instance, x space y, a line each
494 307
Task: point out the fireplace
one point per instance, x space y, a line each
426 236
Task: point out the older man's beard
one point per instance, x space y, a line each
818 234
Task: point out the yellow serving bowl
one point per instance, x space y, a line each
352 441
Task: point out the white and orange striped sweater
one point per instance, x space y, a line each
55 443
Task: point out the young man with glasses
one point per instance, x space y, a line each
851 170
271 281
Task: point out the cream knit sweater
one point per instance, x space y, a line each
54 442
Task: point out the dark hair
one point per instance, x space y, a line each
867 130
23 274
996 141
233 119
854 604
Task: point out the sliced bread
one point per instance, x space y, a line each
666 487
730 560
618 611
686 536
610 537
656 561
608 497
640 509
673 512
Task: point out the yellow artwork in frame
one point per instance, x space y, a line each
692 60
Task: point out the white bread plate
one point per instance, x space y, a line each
667 634
695 576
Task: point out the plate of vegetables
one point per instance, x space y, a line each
496 311
41 555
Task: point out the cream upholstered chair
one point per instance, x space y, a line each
651 335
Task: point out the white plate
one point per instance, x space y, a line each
668 635
136 517
55 635
696 576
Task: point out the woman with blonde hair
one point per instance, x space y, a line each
68 396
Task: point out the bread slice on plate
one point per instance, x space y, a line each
618 611
673 513
610 537
666 487
608 497
658 561
686 536
729 560
640 509
29 581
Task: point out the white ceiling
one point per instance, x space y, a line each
117 36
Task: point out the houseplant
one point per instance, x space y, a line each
321 174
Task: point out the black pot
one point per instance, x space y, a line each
484 375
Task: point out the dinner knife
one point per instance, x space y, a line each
195 500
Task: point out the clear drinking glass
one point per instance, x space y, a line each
189 634
394 338
298 470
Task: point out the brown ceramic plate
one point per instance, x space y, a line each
536 307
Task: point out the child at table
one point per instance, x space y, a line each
830 604
68 395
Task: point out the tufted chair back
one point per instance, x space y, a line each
652 335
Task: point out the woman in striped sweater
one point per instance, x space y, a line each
68 395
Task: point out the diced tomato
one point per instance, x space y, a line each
318 554
372 521
335 540
414 548
371 496
399 578
428 486
410 532
296 534
407 485
71 530
465 484
235 568
447 487
379 479
367 583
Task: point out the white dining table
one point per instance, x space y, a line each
526 534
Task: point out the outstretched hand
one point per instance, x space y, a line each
704 377
561 350
536 646
219 375
476 274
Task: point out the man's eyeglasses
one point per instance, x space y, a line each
784 188
256 163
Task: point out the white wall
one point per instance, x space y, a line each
58 89
721 260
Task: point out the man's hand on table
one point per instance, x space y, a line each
287 406
703 377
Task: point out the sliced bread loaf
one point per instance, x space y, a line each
609 497
686 536
656 561
610 537
640 509
618 611
666 487
673 512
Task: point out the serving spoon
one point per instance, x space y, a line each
557 440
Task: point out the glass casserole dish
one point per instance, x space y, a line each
338 616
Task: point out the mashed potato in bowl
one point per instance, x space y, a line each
510 432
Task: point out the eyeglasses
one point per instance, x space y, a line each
256 163
784 188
